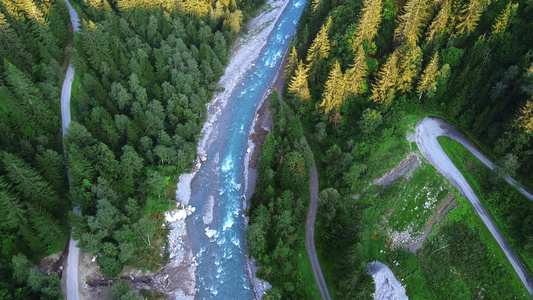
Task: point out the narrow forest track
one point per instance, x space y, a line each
310 231
427 132
279 85
70 281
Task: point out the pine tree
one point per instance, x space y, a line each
218 12
292 64
3 22
298 84
368 24
385 87
319 49
123 5
504 18
12 210
234 21
354 78
315 4
428 80
29 183
525 117
102 4
96 45
47 228
333 96
412 21
14 9
27 92
409 68
470 15
438 26
199 8
33 12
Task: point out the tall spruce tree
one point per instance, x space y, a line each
369 20
354 79
299 85
385 87
319 50
416 14
333 96
438 25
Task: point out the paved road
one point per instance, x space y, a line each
427 132
310 233
71 272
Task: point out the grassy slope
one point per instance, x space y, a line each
506 206
460 259
455 261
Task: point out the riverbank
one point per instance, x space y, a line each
245 51
261 126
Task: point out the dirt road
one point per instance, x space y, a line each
313 201
70 276
427 132
310 233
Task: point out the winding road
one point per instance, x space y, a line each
71 272
313 203
310 233
427 132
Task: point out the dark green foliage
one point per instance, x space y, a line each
276 233
146 76
120 290
488 81
32 170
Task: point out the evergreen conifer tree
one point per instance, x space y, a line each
298 84
319 49
438 25
354 78
384 89
333 96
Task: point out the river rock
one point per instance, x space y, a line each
203 157
387 286
177 214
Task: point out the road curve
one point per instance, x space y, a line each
427 132
310 232
71 271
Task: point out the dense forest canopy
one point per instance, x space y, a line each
33 186
144 70
356 73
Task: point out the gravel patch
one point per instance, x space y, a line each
387 286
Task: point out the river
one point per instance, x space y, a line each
216 229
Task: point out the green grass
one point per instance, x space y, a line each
305 272
411 205
460 260
507 207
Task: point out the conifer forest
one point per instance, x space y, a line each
395 133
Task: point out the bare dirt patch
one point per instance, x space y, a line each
404 169
52 264
439 213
